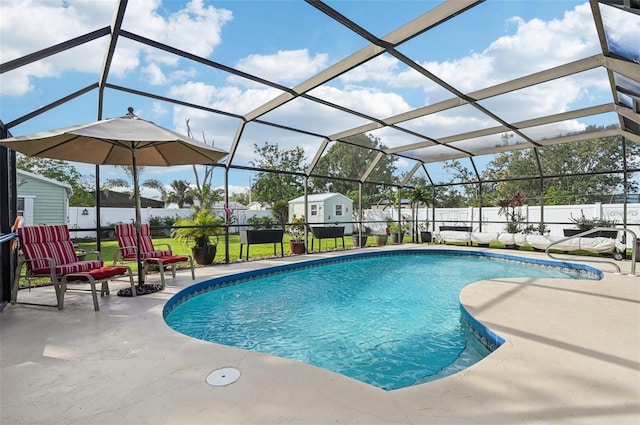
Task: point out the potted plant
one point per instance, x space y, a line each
583 224
381 238
510 208
420 195
297 230
360 239
199 229
397 231
425 234
536 229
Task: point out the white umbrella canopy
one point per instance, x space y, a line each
116 141
126 140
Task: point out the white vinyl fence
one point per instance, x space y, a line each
556 217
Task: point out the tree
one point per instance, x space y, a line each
449 197
463 174
61 171
583 170
181 194
279 187
349 161
151 183
242 198
203 191
207 196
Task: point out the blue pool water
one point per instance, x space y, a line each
390 321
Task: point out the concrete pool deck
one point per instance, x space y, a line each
572 355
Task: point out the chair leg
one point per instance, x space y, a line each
104 290
16 282
63 289
133 284
94 294
161 268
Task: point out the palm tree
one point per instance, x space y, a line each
202 192
151 183
181 193
208 196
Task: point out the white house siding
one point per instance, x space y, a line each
324 204
50 198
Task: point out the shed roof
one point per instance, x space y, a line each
319 197
54 182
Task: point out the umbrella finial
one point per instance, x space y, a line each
130 113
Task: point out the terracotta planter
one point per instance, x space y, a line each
381 240
204 255
296 247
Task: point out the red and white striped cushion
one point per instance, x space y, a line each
39 243
126 235
76 267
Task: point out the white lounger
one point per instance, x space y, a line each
484 238
587 244
596 245
453 236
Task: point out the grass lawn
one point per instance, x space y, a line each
108 250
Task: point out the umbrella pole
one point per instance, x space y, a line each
137 223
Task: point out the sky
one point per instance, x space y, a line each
288 42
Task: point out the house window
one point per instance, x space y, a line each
314 209
20 207
338 212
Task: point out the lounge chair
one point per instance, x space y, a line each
47 251
149 253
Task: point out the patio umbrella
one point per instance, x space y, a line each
126 140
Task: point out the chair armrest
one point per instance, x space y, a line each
118 254
162 244
52 265
98 254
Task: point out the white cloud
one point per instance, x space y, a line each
286 66
536 45
382 68
369 100
154 74
27 27
196 28
158 110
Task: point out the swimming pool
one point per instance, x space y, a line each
389 319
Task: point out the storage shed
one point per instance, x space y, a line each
325 209
43 200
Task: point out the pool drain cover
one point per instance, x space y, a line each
222 377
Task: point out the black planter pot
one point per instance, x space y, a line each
204 255
425 237
601 233
359 241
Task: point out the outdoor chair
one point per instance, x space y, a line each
47 251
149 253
